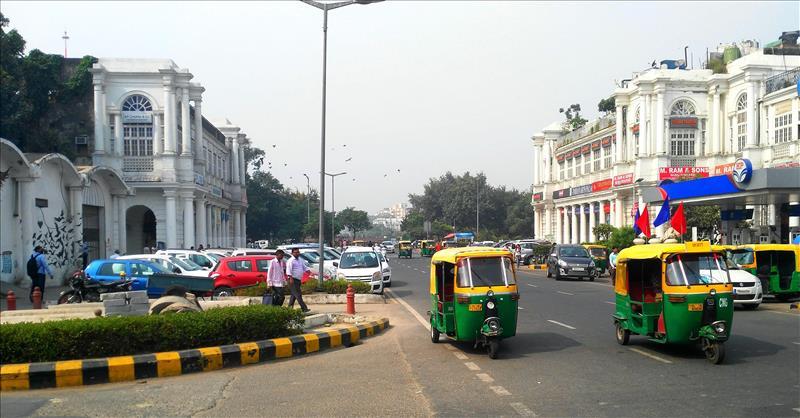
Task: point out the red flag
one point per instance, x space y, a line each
644 222
678 220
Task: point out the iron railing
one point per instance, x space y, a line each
782 80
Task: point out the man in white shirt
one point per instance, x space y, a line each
115 255
276 278
295 269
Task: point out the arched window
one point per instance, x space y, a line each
741 121
138 129
682 108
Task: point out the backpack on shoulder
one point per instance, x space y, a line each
32 266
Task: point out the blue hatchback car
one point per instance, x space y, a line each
109 271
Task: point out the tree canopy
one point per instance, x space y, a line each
353 219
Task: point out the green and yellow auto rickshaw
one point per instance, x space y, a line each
427 248
599 254
474 296
674 294
777 266
404 249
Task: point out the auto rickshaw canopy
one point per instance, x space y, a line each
769 247
451 255
404 244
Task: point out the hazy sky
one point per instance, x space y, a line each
419 86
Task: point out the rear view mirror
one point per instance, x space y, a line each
177 270
336 264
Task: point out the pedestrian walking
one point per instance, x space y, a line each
518 254
115 255
276 278
612 264
295 269
38 270
84 254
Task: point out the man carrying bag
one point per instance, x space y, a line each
276 281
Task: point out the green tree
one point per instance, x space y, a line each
705 218
607 106
621 238
354 220
603 231
573 115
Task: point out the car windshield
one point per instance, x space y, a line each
311 257
572 252
213 256
696 269
356 260
387 243
742 257
186 264
485 271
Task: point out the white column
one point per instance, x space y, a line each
198 129
188 222
234 161
536 164
644 127
242 166
243 214
122 208
660 123
186 123
169 119
209 227
715 125
158 149
591 220
119 146
99 119
172 223
582 213
617 151
548 221
620 212
237 231
200 222
612 212
573 227
559 235
751 114
113 213
25 209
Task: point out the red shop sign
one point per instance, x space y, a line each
560 157
623 179
596 145
683 122
681 173
607 208
601 185
607 141
585 149
723 169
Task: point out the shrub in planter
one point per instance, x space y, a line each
117 336
338 287
257 290
309 287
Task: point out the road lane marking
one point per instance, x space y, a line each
652 356
472 366
408 307
500 390
611 303
450 347
460 356
562 324
532 285
795 342
485 377
520 308
565 293
522 410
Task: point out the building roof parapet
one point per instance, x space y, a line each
587 130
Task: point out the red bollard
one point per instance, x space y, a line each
351 300
37 298
11 301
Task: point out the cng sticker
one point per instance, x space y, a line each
723 302
695 307
475 307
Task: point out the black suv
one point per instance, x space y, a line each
570 261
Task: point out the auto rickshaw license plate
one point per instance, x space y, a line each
695 306
476 307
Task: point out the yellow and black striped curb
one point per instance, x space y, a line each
173 363
537 266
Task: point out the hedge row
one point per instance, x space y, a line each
334 287
338 287
117 336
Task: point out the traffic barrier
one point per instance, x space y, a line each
351 300
37 298
11 301
537 266
173 363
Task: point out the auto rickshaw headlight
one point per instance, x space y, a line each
490 293
719 327
712 292
493 323
490 305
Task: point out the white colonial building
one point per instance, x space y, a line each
669 125
161 176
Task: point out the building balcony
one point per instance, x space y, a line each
137 164
782 80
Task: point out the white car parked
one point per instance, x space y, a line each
362 264
207 261
747 291
173 264
386 270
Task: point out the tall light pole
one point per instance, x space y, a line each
477 207
308 198
333 202
325 7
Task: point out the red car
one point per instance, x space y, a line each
242 271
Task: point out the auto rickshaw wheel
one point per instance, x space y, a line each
714 350
494 348
434 334
623 335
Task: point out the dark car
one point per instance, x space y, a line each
570 261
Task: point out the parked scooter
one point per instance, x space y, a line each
86 290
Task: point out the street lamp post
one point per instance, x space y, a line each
308 198
333 202
325 7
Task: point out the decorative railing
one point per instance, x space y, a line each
682 161
137 164
782 150
586 130
782 80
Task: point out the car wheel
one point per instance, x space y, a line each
388 284
751 306
434 334
558 275
223 291
623 335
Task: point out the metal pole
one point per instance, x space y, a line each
477 208
308 198
333 210
322 146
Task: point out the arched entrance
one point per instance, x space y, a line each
140 228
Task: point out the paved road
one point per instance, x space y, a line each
565 361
